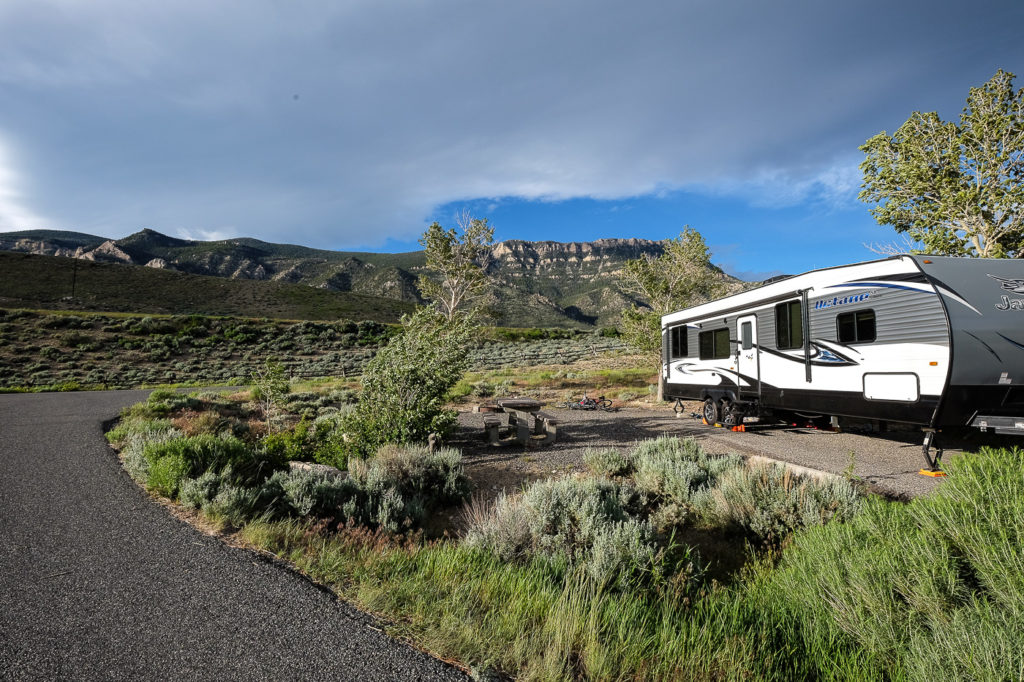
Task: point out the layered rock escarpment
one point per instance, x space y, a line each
544 283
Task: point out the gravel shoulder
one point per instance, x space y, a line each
97 581
888 463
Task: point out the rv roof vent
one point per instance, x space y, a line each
776 278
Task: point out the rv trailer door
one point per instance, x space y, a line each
748 361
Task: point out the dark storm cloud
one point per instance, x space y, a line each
346 126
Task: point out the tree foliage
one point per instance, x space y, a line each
956 188
681 276
269 387
455 263
405 384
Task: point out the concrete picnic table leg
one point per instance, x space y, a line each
523 431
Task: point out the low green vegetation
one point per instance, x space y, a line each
32 281
46 350
204 452
888 591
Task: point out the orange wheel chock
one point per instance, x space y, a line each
741 427
933 474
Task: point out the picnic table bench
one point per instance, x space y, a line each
526 418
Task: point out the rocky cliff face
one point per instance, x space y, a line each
537 283
569 260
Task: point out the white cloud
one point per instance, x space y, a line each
834 186
349 124
206 235
15 213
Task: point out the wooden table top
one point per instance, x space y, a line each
527 404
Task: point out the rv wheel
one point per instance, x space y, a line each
730 415
711 412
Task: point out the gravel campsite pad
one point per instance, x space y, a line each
889 463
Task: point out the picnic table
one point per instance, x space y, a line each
526 418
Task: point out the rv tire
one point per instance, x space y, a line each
712 414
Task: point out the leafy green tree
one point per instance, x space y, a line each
454 261
406 383
680 277
958 189
269 387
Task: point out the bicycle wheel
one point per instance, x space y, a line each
604 404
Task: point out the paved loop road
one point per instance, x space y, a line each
99 582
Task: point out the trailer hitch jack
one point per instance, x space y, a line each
934 463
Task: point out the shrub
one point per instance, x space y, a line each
328 440
607 462
145 429
588 523
405 384
401 483
770 501
290 445
162 402
310 494
675 469
74 338
232 504
437 478
166 474
233 459
197 492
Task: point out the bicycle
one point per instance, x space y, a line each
588 403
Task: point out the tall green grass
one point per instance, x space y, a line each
934 588
929 590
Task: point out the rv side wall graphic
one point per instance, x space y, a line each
927 340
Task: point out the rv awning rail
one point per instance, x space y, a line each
778 298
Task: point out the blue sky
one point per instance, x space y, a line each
353 125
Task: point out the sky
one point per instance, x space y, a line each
352 125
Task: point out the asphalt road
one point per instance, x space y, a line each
99 582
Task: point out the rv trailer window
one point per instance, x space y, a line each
856 327
678 349
747 335
789 330
713 345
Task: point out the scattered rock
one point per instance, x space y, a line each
319 469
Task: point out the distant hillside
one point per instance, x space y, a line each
536 283
32 281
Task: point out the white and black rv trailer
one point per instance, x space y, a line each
926 340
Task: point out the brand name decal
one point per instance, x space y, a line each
841 300
1010 303
1014 286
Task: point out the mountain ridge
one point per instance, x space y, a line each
537 283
